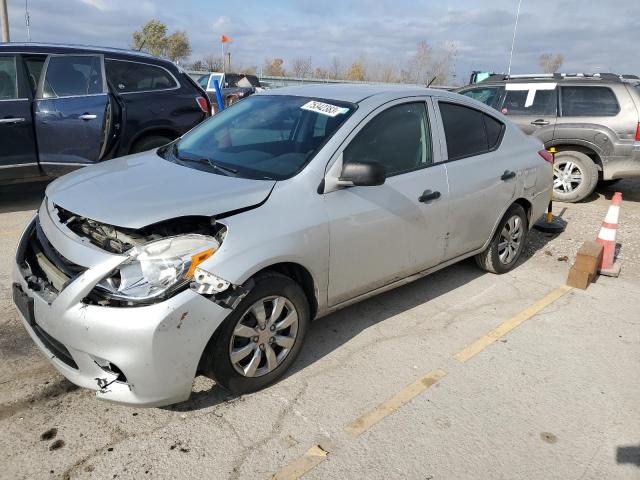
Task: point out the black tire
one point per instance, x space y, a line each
149 143
490 260
574 192
218 364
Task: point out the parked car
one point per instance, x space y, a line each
212 254
63 107
592 121
233 86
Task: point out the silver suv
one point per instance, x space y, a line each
213 253
592 121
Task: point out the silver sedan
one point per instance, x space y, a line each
212 254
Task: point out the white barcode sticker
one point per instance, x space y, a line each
324 108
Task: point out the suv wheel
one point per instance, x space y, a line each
575 176
262 337
507 243
149 143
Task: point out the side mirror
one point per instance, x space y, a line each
363 174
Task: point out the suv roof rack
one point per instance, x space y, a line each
559 76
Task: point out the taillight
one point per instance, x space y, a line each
548 156
638 132
203 104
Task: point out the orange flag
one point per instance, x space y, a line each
224 39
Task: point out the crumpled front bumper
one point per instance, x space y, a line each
156 348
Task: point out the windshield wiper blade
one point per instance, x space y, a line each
206 161
220 167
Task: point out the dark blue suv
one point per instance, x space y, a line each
63 106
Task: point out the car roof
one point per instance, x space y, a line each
33 47
354 93
579 79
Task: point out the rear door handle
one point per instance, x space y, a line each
87 116
540 122
11 120
507 175
428 196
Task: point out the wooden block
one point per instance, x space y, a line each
579 279
589 257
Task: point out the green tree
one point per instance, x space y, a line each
178 47
152 38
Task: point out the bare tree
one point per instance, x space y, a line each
273 68
551 63
212 63
357 71
335 69
418 68
301 67
443 68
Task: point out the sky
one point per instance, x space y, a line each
592 35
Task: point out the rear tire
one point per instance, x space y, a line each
149 143
240 340
507 243
575 176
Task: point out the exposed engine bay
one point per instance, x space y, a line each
119 240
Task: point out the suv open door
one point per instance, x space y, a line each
72 112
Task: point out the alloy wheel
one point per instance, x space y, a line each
510 239
567 176
264 336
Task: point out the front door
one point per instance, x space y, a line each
18 157
533 107
380 234
71 112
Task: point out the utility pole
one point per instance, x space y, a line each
27 19
4 21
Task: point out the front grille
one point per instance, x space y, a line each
47 268
55 347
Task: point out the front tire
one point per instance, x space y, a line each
262 337
149 143
575 176
507 243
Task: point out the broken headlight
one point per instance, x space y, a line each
158 268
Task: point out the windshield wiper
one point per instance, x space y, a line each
217 166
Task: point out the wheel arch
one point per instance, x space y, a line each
152 131
588 149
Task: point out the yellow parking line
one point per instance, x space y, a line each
506 327
10 233
296 469
366 421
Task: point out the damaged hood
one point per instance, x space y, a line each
143 189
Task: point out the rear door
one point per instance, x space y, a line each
18 157
482 177
71 112
533 107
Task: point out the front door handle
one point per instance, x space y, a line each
87 117
540 122
428 196
11 120
508 175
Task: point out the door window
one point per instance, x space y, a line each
398 138
129 77
544 103
8 78
589 102
468 131
34 69
487 95
72 76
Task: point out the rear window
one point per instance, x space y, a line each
544 103
73 75
589 102
468 131
130 77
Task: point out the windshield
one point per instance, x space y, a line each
262 136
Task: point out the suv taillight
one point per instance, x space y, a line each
638 132
548 156
203 104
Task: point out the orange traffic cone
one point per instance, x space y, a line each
607 238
